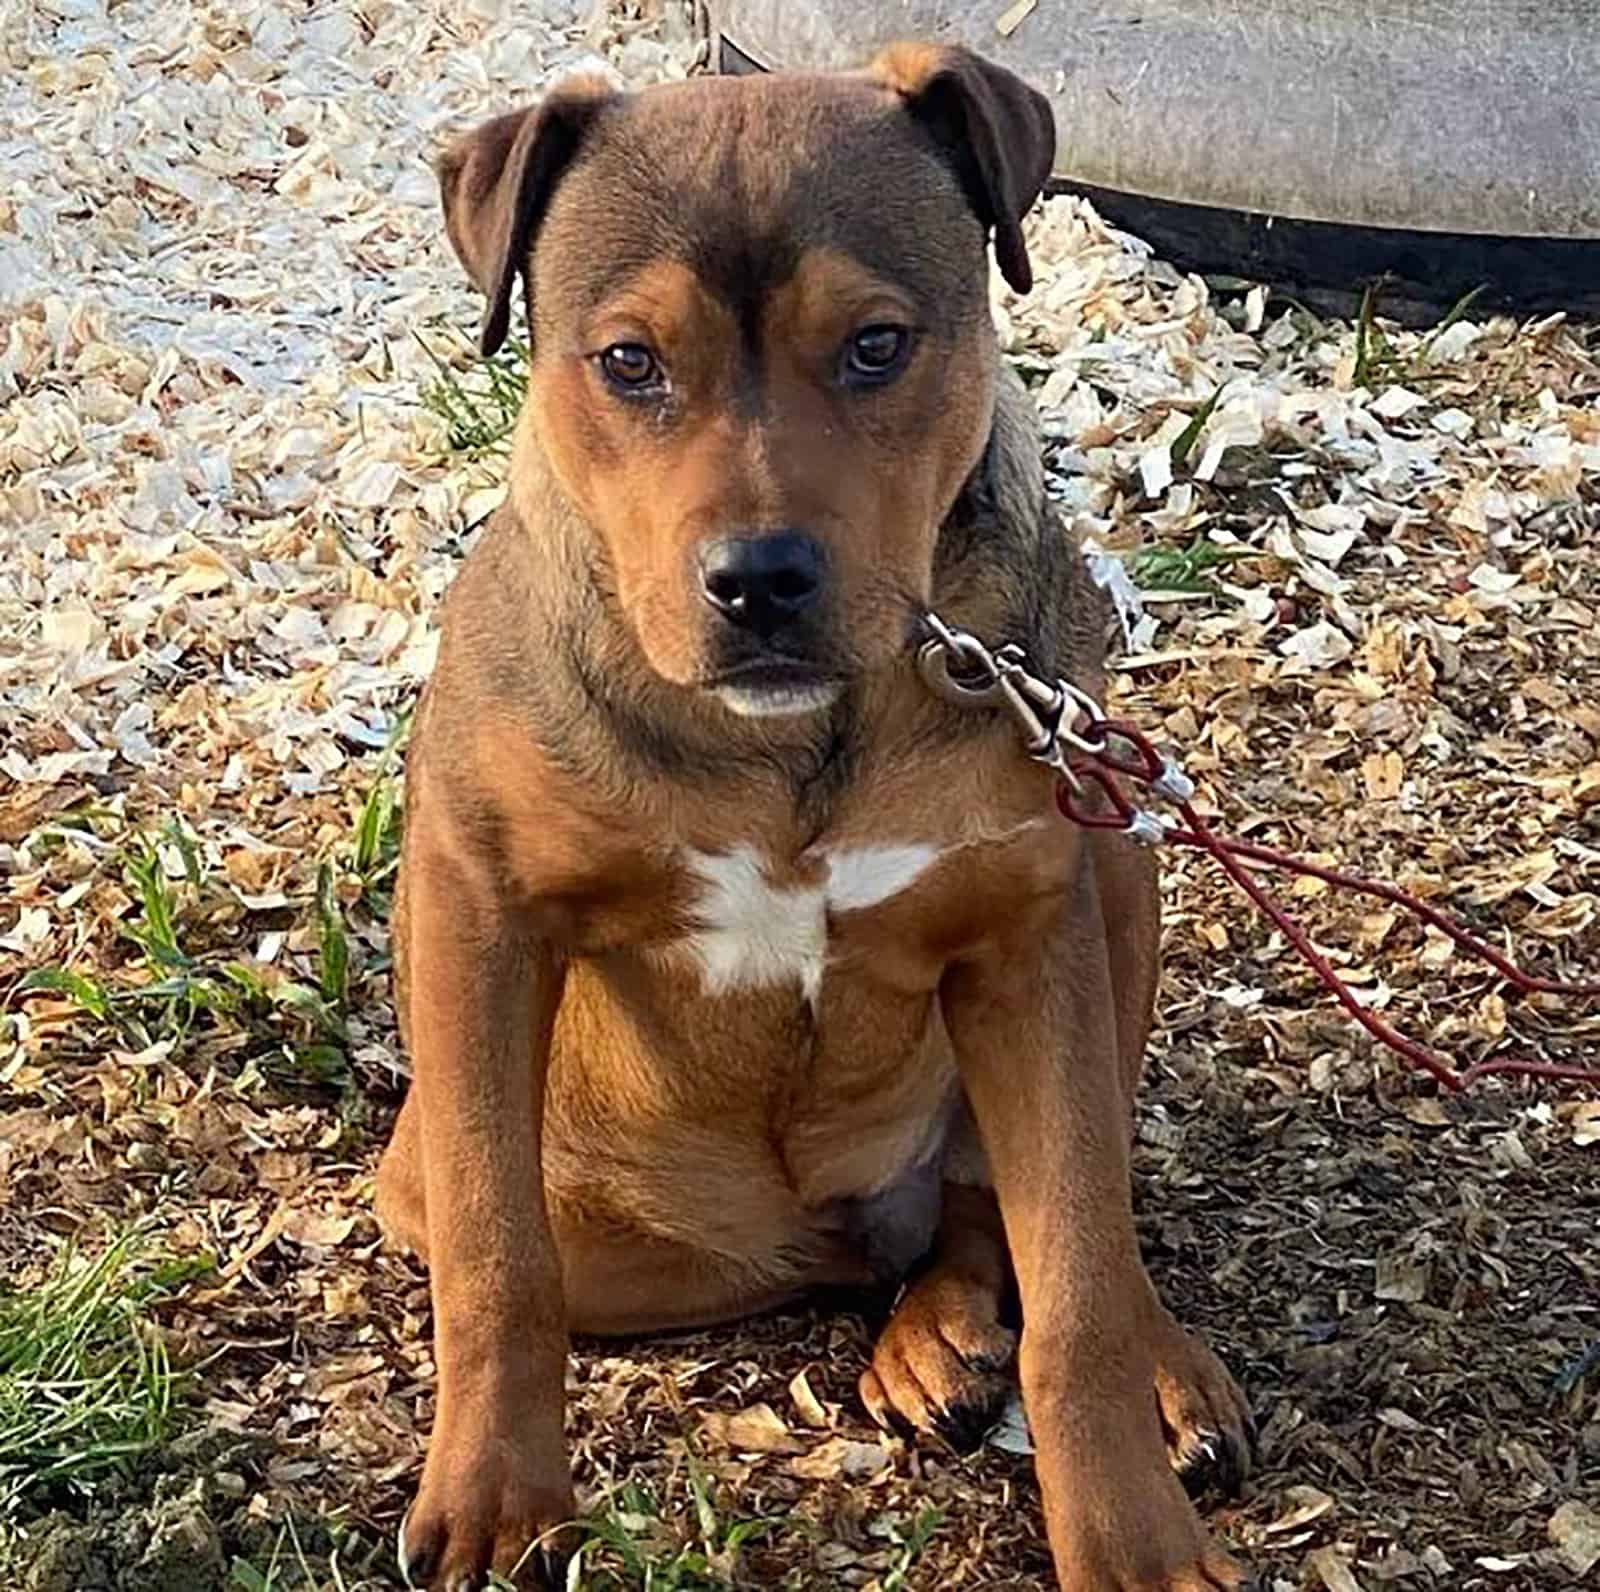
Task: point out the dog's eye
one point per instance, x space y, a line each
876 353
630 366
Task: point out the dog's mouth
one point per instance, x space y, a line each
775 688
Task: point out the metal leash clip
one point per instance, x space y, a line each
956 666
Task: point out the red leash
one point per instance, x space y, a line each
1065 729
1147 769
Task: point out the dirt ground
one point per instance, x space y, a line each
1369 627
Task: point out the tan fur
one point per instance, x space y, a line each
593 1141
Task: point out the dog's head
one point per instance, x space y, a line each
763 365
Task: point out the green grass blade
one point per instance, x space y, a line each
183 841
1184 443
374 826
62 981
1457 312
333 945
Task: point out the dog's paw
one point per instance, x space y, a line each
942 1364
1212 1572
1117 1524
1210 1435
490 1512
1207 1569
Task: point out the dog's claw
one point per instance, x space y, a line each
884 1414
964 1425
1215 1464
415 1568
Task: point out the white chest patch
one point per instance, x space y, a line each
752 934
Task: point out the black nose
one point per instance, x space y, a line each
761 582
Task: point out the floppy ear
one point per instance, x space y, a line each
999 132
496 182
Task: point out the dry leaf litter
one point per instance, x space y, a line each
226 524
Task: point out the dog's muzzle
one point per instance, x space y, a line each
766 589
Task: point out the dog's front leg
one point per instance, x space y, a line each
1032 1019
482 997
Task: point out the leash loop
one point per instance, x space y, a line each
1098 761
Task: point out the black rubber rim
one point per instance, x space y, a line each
1419 275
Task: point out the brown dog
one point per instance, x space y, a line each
732 961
